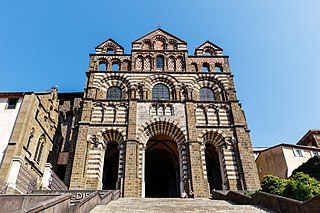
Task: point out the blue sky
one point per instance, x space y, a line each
273 48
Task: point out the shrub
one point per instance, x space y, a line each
311 167
273 184
301 187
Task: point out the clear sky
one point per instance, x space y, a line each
273 48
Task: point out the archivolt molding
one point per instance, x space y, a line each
151 80
107 135
164 126
114 79
215 137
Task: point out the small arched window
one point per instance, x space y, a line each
206 94
218 67
194 67
102 66
160 62
114 93
160 92
115 66
208 53
110 51
205 67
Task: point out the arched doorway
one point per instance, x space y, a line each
110 168
162 173
213 167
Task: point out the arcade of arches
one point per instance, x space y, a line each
164 172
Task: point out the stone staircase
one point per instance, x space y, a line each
175 205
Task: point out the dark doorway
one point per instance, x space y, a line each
213 168
110 168
162 174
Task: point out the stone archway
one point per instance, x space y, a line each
111 166
164 147
213 143
162 170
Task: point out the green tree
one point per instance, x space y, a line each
311 167
273 184
301 186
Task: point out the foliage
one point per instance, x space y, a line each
299 186
273 184
251 193
311 167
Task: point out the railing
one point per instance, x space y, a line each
271 201
58 201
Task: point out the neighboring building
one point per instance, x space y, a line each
258 150
10 103
311 138
159 121
282 159
28 126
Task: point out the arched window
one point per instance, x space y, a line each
194 67
208 53
160 92
206 94
39 150
218 67
160 62
114 93
205 67
115 66
110 51
102 66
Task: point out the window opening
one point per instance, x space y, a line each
115 67
110 51
12 102
160 92
160 62
102 67
114 93
206 94
205 67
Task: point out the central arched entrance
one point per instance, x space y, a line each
162 173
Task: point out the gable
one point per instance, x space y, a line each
208 47
159 33
109 44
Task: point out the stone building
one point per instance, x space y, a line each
28 122
159 121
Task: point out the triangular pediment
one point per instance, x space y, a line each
209 44
159 33
108 45
208 47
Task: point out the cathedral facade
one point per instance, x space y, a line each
158 121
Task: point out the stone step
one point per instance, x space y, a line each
175 205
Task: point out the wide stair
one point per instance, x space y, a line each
174 205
